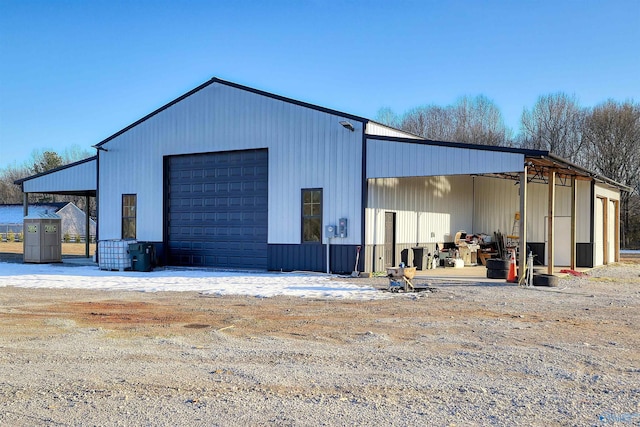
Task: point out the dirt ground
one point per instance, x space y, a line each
530 356
132 314
166 314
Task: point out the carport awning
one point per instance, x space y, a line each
393 157
397 158
77 179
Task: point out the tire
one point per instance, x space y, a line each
497 274
498 264
545 280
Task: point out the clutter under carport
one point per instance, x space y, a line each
466 250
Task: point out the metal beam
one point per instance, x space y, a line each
550 220
523 223
574 198
87 221
25 204
605 230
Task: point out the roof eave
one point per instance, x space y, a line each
569 165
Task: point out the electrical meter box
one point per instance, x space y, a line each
330 231
342 227
42 238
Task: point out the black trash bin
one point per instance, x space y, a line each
418 257
143 256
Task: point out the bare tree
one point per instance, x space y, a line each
74 153
478 120
554 124
9 192
473 120
612 140
388 117
431 122
631 219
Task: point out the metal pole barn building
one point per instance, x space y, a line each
233 177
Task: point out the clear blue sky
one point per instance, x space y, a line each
75 72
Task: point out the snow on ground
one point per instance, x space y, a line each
203 281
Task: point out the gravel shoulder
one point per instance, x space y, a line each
464 354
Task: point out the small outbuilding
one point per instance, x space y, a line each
229 176
42 238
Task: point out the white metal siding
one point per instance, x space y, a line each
598 230
584 214
538 209
603 190
307 149
441 205
611 233
382 130
81 177
387 159
497 201
611 194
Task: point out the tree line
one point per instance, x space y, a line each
604 139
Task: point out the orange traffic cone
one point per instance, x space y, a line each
511 277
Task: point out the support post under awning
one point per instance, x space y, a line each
551 221
574 202
87 229
523 222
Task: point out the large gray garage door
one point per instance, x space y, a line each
217 209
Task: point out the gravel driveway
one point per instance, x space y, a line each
464 354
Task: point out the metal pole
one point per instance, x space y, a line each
523 221
574 196
25 204
551 221
328 260
87 228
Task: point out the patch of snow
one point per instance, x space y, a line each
58 276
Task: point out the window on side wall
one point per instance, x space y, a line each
312 215
129 209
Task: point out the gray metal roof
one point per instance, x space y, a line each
78 178
13 214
